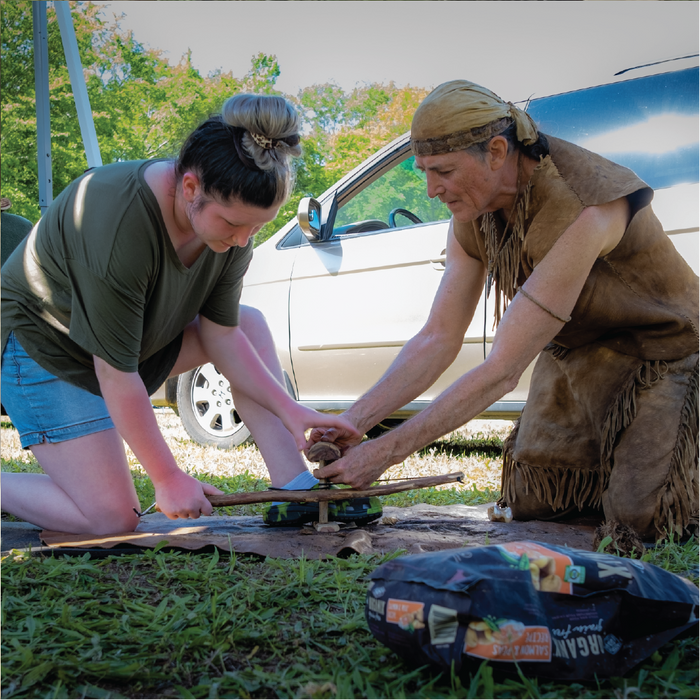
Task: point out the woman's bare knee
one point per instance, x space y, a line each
89 487
114 522
253 323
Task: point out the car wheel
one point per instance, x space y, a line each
205 405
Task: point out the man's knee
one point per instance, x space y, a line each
526 505
630 513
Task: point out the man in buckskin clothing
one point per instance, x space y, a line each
586 278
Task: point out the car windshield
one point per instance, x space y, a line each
649 125
401 187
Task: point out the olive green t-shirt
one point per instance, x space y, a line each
13 229
99 276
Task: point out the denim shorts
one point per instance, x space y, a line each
43 407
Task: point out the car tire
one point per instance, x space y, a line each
206 409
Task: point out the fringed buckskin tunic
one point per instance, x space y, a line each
612 414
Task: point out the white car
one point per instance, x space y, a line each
343 298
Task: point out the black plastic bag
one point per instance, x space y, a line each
558 612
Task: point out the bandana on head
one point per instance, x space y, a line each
458 114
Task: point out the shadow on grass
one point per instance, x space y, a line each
457 446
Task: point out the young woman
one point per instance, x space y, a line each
133 275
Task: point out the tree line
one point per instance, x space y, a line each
143 108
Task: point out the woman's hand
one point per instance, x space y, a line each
183 496
298 419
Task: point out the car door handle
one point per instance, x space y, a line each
439 263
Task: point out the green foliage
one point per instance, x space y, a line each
144 108
322 106
263 74
403 186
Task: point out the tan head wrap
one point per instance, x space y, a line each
458 114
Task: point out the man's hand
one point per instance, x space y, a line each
360 465
183 496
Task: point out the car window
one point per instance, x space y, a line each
403 187
648 124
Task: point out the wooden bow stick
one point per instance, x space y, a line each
243 498
325 495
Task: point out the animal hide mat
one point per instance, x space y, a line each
420 528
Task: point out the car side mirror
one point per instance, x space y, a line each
309 218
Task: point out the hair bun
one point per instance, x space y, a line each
246 151
270 127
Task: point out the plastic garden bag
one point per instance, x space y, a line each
558 612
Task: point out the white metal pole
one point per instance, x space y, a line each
77 80
41 92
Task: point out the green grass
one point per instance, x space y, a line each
169 624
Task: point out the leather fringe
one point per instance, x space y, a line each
505 255
509 467
581 487
623 412
558 487
677 503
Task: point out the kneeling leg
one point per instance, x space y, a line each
86 488
653 485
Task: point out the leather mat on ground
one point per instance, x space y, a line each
420 528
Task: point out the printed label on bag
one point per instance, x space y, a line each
550 571
407 614
507 640
443 624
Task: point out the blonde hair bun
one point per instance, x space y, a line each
271 126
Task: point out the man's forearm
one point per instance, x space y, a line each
466 398
457 405
416 368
